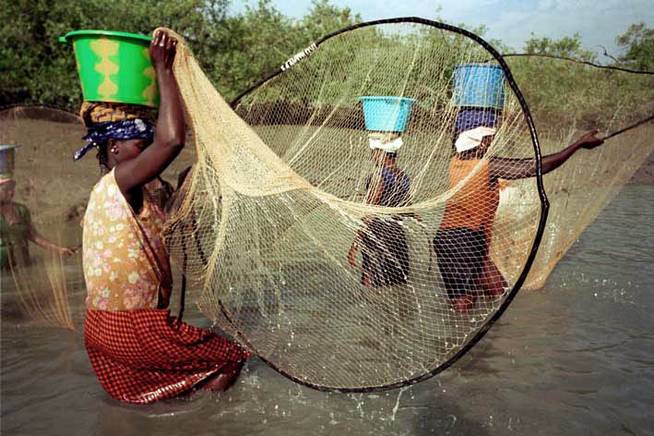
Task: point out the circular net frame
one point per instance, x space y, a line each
282 191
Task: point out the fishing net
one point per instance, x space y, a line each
280 191
286 184
39 286
567 97
283 188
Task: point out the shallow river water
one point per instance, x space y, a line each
576 357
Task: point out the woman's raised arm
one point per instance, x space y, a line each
512 169
170 130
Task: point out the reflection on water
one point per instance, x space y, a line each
576 357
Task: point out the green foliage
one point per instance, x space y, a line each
233 50
324 18
237 50
568 46
638 40
259 41
562 92
36 68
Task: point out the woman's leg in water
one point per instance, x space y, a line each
226 378
491 280
460 254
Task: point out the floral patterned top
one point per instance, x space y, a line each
126 264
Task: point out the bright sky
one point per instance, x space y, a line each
511 21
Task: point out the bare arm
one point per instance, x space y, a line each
512 169
170 130
47 244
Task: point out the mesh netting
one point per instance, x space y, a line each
273 207
287 185
37 285
565 98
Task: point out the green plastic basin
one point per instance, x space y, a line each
114 66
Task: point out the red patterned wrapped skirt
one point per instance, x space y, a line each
145 355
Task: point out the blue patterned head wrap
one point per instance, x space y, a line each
468 119
99 134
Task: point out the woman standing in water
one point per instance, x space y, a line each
16 227
139 352
383 241
463 239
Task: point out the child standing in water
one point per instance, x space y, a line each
139 352
463 239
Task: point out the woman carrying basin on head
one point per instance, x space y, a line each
465 233
139 352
